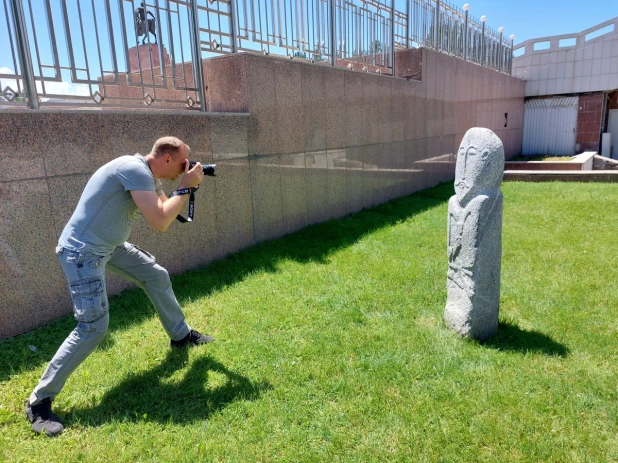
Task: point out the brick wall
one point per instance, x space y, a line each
612 103
589 122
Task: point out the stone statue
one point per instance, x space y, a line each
145 25
475 237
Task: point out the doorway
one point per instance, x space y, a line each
612 127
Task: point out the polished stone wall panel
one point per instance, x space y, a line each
293 192
370 111
313 91
384 109
290 111
228 137
267 199
353 108
195 132
233 206
32 284
335 108
262 130
354 178
337 183
316 177
227 81
399 114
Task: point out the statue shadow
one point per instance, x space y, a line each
148 397
512 338
313 244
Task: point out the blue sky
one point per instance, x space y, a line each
529 19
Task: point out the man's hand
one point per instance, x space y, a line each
192 178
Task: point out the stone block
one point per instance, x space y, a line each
133 132
262 128
32 284
399 117
233 206
335 108
293 192
371 109
316 176
229 137
290 111
337 181
354 179
353 108
384 108
194 130
227 83
266 195
314 102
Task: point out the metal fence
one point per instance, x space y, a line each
131 53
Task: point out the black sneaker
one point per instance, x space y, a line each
193 338
43 419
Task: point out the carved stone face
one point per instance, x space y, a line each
480 164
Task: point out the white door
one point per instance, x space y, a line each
550 126
612 127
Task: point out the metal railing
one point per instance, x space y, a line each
129 53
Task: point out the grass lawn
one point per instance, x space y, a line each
331 347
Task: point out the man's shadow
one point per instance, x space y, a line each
146 396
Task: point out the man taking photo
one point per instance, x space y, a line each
94 240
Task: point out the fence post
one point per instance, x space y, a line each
436 26
483 19
408 23
500 50
466 7
393 37
233 24
512 37
333 32
24 54
197 55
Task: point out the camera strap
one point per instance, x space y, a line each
186 191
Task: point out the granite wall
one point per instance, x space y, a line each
295 143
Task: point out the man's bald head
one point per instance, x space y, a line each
169 145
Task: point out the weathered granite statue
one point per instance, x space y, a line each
143 24
475 237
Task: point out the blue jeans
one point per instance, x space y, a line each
86 278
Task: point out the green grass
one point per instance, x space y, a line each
331 347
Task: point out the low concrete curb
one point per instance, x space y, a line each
561 176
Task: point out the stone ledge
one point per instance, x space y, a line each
581 162
560 176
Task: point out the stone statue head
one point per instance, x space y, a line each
480 164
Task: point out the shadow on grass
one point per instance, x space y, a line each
147 396
312 244
512 338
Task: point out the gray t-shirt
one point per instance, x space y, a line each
106 211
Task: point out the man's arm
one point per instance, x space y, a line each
161 211
159 215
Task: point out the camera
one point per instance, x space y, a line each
209 169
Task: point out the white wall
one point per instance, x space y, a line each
586 66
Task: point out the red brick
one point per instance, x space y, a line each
588 137
595 105
589 146
590 127
589 116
